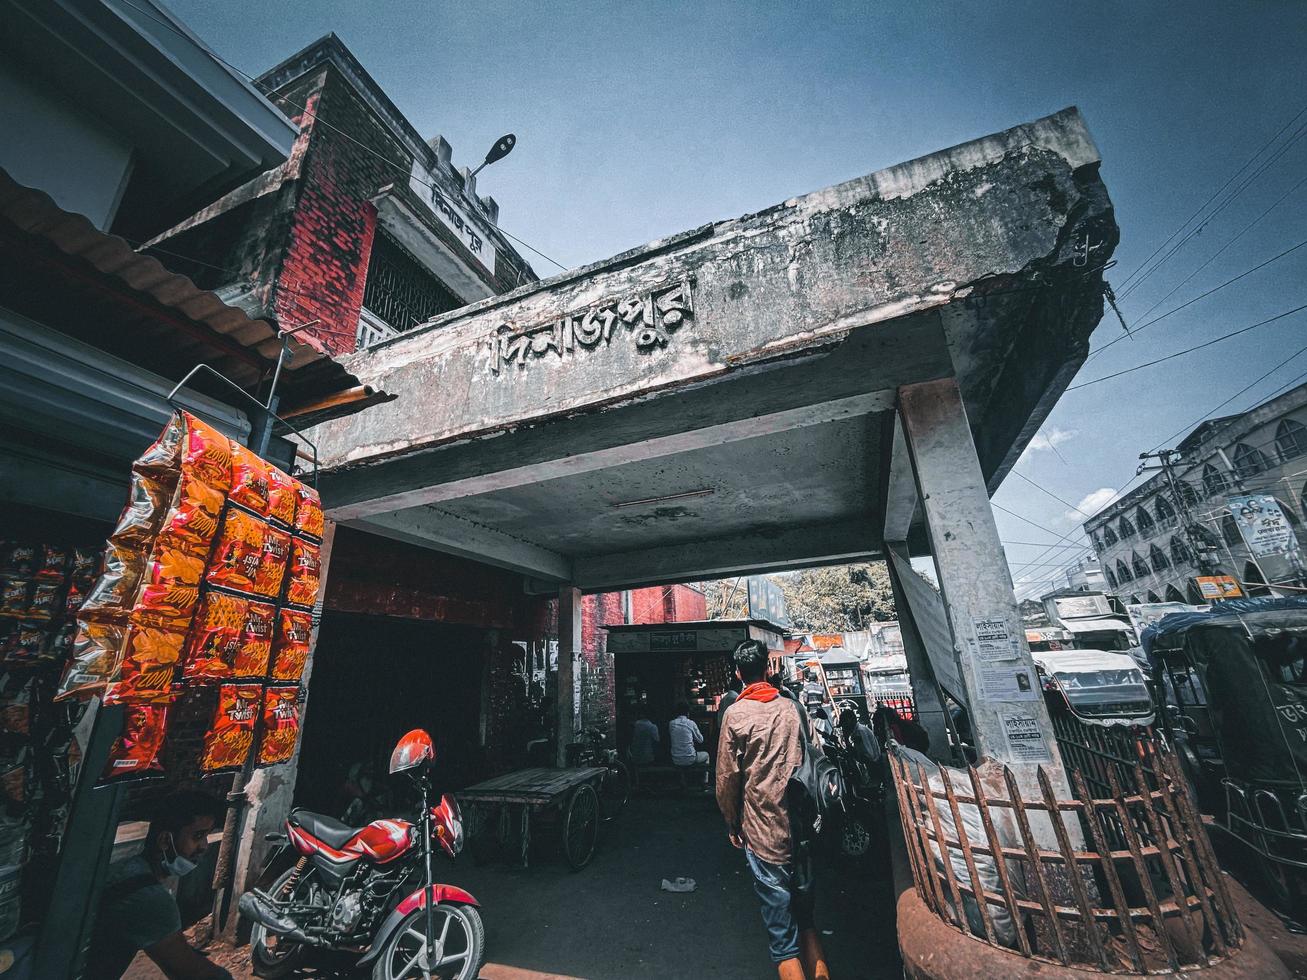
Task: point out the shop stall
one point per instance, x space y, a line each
659 665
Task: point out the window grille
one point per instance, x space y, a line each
1248 462
1122 572
1214 482
400 292
1139 565
1127 529
1158 558
1109 536
1179 551
1290 439
1166 516
1144 521
1230 531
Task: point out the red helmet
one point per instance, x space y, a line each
412 750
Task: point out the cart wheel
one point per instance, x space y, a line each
581 826
615 789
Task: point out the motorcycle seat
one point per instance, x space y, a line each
330 831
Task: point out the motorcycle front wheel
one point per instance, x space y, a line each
271 956
459 952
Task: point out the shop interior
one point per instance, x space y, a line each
375 678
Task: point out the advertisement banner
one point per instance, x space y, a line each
1270 538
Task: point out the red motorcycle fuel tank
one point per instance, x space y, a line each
383 840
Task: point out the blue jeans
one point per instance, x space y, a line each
785 891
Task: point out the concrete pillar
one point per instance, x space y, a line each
271 791
569 653
925 688
1008 715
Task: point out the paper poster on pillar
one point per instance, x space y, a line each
1007 681
1025 742
991 641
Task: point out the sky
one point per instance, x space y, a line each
640 119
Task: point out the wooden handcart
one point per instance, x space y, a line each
493 804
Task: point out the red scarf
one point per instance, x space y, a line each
761 691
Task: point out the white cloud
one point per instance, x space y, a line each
1092 503
1047 442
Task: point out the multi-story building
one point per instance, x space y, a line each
367 230
1155 540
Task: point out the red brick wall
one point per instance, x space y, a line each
668 604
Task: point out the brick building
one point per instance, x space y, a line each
1149 542
365 231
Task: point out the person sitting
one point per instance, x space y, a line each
644 739
684 737
862 746
888 723
137 911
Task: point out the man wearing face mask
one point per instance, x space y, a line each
137 911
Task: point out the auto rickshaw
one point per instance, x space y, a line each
1097 687
1238 677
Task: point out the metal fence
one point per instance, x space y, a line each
1125 882
1098 752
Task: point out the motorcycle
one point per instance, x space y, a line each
371 890
855 824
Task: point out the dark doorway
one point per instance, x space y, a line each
375 678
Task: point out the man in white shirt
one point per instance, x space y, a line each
683 736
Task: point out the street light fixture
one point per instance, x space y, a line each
502 148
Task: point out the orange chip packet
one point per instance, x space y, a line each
281 497
305 572
172 587
148 664
231 733
308 511
207 453
290 647
236 558
136 751
281 724
250 479
255 641
272 566
215 638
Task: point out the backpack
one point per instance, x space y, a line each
815 787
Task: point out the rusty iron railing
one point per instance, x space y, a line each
1124 883
1095 751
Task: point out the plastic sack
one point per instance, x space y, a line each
290 647
281 724
215 638
231 734
305 572
135 753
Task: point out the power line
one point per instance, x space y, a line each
1026 519
1188 350
318 120
1200 296
1215 194
1050 493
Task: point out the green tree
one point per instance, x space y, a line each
727 598
839 598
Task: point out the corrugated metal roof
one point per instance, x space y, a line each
36 213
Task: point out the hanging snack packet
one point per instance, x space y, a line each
228 740
166 452
281 497
305 571
290 648
207 453
19 560
235 561
52 563
26 645
215 639
13 597
16 704
281 724
148 664
147 504
250 480
115 590
193 521
135 753
45 599
308 511
272 567
172 587
85 563
97 654
255 641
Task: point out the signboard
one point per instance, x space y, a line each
767 601
451 215
1081 606
1217 587
1145 614
1025 742
932 623
1270 537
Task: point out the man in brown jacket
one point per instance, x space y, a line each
758 751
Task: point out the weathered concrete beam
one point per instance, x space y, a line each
1009 231
901 495
858 376
765 550
454 535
